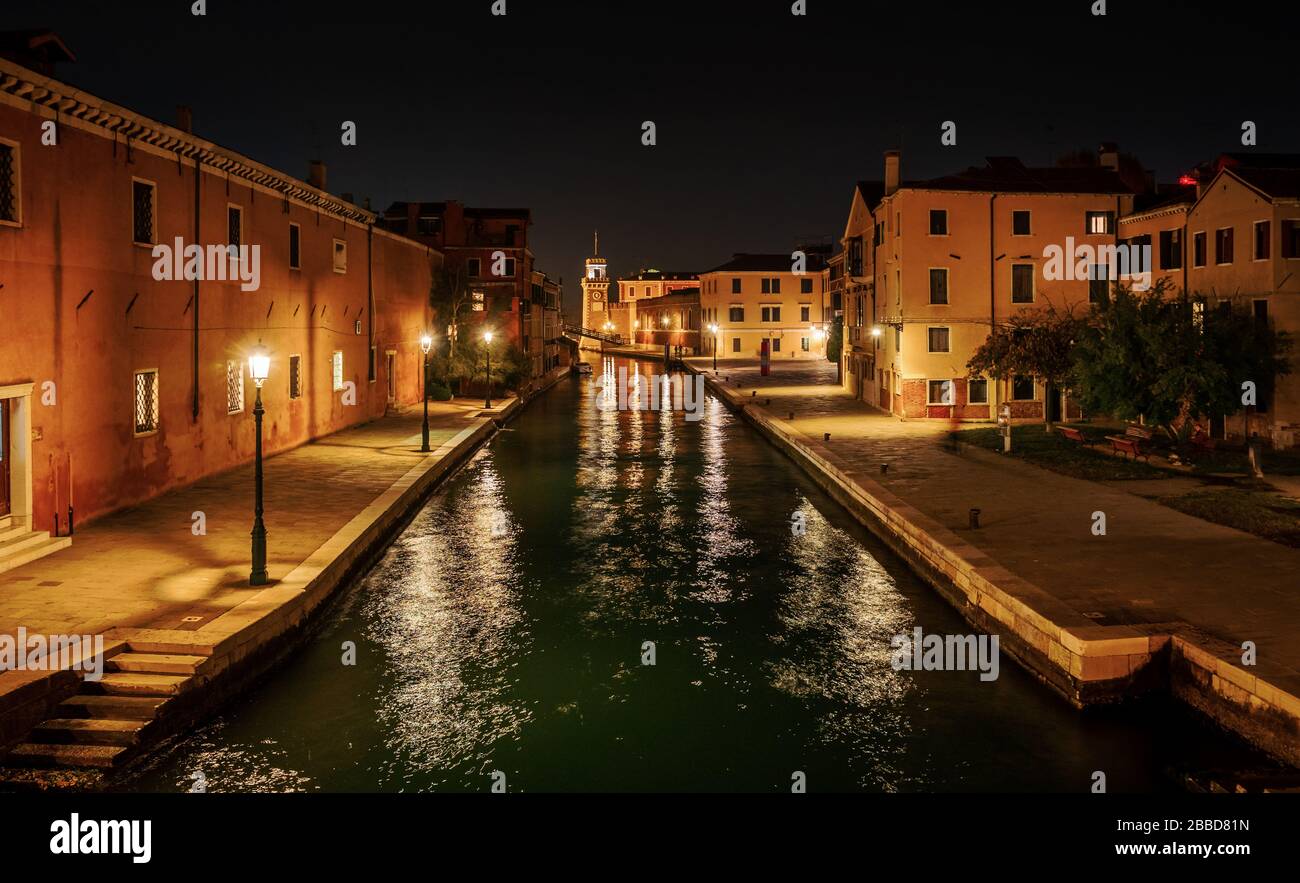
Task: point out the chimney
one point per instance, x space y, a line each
184 118
892 158
1108 156
316 174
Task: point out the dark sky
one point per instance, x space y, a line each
764 119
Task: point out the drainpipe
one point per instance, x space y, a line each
372 357
993 302
198 175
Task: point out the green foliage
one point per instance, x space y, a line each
1146 354
439 393
1035 342
835 342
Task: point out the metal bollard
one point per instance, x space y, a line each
974 519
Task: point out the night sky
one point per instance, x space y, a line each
764 120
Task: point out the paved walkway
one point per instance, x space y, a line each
1153 565
144 567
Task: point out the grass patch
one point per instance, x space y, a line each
1052 451
1261 513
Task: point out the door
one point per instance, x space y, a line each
1053 403
4 457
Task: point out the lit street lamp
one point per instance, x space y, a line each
426 343
259 366
713 329
487 339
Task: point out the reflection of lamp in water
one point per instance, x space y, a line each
487 349
713 329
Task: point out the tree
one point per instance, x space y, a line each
835 340
1145 354
1037 343
448 295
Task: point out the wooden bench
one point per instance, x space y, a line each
1072 434
1127 444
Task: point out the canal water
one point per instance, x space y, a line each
506 631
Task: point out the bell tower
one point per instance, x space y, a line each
595 295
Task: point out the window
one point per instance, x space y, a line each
1099 223
473 268
340 256
1020 223
736 313
1171 249
234 225
938 222
805 313
939 392
1098 283
735 344
508 272
143 204
10 190
803 343
977 390
938 286
805 286
1198 249
771 314
234 387
1022 388
735 285
295 377
937 340
146 402
1223 245
771 286
477 302
336 371
1022 283
1263 232
898 338
295 247
776 344
1291 239
374 358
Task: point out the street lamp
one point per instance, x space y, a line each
487 339
426 344
259 366
713 329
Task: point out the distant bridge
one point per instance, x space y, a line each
577 331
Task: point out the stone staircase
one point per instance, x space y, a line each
18 545
109 721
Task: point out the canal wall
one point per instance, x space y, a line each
249 640
1084 662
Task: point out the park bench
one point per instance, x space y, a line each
1072 434
1131 441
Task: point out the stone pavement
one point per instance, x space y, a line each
1154 564
144 567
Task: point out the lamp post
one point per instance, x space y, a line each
259 366
426 343
713 329
487 339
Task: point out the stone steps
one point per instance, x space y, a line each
89 731
105 707
19 546
136 684
36 754
155 663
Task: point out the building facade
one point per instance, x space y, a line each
759 300
125 372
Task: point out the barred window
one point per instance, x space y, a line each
146 402
234 225
142 209
295 377
337 370
8 183
234 387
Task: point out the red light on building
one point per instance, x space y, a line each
1186 181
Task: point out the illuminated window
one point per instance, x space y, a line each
477 298
234 387
1099 223
146 402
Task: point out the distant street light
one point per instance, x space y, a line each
259 367
487 339
426 344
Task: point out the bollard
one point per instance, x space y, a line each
884 467
826 436
974 519
753 394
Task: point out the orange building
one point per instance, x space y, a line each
931 266
119 383
1234 236
772 300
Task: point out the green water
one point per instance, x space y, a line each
503 632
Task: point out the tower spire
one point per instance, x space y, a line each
596 237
